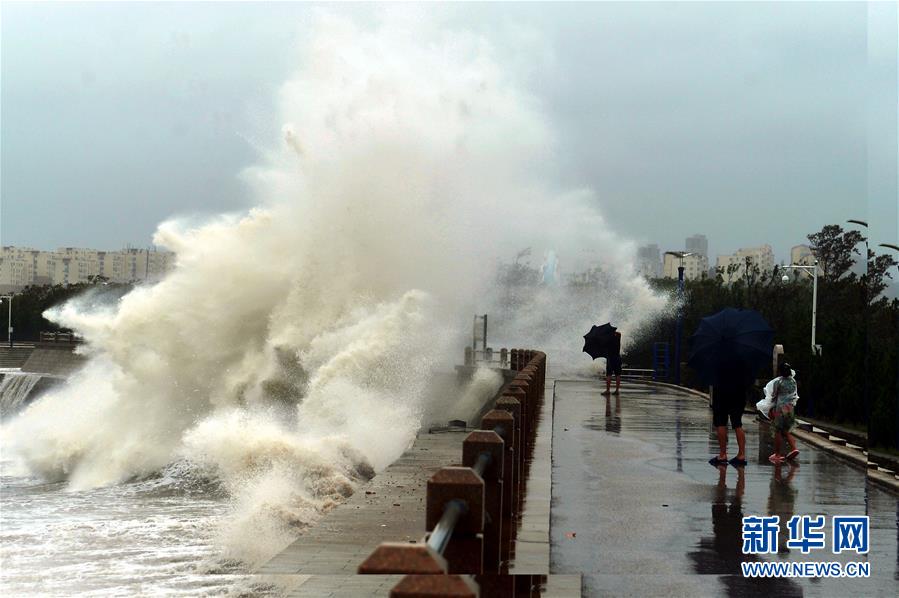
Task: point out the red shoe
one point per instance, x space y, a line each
776 459
792 455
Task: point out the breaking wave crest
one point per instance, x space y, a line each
288 353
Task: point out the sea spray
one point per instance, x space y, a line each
15 390
288 352
484 384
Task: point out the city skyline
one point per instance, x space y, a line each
25 266
708 131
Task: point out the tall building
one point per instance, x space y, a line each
23 266
734 266
17 267
801 255
696 266
697 244
649 261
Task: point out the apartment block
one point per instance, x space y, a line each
695 266
649 261
762 256
23 266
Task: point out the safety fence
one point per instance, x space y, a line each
60 337
472 511
488 357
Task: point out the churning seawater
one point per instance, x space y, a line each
150 537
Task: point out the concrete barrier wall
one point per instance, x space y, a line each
59 361
14 357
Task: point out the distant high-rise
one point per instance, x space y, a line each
649 261
734 266
696 266
801 255
23 266
697 244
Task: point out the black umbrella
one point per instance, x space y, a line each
733 342
600 341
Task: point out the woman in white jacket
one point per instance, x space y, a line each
783 412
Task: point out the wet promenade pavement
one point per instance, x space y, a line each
637 509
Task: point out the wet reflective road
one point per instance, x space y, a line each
639 511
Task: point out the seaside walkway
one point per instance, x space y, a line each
621 501
638 511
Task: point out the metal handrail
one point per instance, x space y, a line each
443 531
481 464
454 509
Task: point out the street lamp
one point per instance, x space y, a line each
816 349
895 248
9 322
866 386
814 269
680 315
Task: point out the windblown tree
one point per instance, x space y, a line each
878 270
834 248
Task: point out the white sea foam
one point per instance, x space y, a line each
484 383
288 352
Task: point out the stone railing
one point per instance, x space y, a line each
67 338
472 510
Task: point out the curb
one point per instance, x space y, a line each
884 480
853 456
681 388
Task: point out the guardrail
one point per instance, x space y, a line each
637 373
488 357
60 337
472 511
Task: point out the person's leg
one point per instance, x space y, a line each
736 421
777 443
791 440
608 383
719 420
741 443
721 431
617 382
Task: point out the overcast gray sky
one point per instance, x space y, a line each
748 122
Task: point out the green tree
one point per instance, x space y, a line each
878 269
834 248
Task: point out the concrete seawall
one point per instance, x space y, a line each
59 360
14 357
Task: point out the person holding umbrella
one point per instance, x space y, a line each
605 341
613 365
728 402
727 350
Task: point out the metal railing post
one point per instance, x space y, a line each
503 423
465 553
416 586
484 452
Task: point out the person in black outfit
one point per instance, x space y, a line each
613 366
728 401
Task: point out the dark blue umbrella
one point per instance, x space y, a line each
600 341
733 342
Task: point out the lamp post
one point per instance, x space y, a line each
680 315
816 349
866 386
814 269
9 321
896 248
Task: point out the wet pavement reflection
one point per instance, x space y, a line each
638 510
